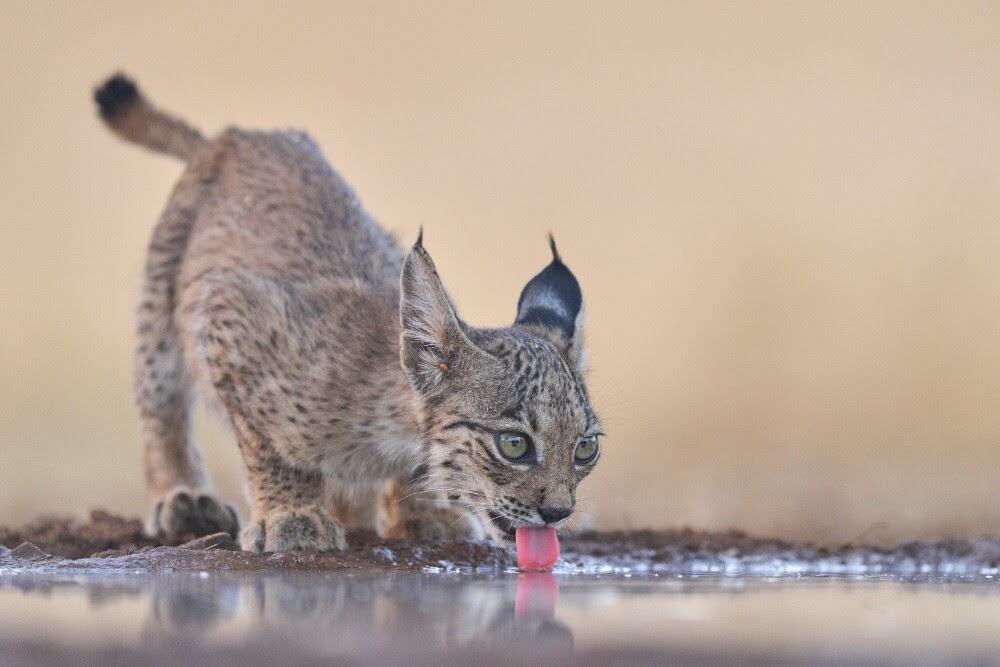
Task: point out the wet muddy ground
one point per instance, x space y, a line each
97 592
105 542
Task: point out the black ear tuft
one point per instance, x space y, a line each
552 298
555 251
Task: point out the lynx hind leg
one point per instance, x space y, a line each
182 501
407 513
186 513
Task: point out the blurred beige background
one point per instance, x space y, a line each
784 216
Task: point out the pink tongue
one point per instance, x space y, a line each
537 548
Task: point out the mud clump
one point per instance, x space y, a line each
70 538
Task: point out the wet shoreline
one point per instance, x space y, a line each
108 543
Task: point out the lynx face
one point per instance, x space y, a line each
509 429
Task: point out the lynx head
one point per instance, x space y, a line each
508 426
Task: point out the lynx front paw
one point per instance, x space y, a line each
288 530
184 513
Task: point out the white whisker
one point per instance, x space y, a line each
444 490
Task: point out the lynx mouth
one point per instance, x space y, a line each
502 524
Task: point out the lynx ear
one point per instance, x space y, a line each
553 303
432 341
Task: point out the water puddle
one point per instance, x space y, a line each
426 618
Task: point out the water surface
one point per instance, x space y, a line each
429 617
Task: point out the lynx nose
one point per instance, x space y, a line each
554 514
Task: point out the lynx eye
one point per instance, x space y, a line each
586 450
514 446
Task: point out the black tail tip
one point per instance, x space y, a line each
115 95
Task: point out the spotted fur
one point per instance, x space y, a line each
352 386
